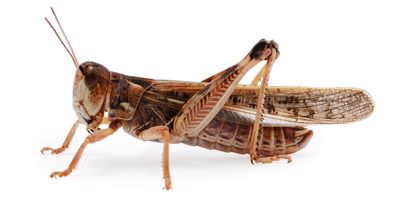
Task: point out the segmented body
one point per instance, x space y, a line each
287 111
230 137
225 135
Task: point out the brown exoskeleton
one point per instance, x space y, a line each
217 113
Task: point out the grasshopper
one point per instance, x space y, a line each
268 123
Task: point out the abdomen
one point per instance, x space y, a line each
231 137
226 133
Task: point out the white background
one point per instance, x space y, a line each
322 44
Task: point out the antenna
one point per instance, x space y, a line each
71 53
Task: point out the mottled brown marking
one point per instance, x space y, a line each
311 113
91 86
329 113
270 108
295 111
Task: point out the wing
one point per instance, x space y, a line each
301 105
285 106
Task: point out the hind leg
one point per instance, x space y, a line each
269 159
264 75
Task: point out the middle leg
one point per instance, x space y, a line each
160 133
66 142
269 159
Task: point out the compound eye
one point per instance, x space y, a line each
91 76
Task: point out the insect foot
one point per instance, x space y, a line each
53 151
168 185
270 159
60 174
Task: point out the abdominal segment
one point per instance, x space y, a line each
231 137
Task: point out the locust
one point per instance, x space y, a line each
266 122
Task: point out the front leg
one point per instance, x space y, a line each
68 139
203 106
66 142
93 138
160 133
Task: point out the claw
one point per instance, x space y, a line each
46 149
60 174
53 151
168 185
253 157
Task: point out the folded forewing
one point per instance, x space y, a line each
284 106
303 105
